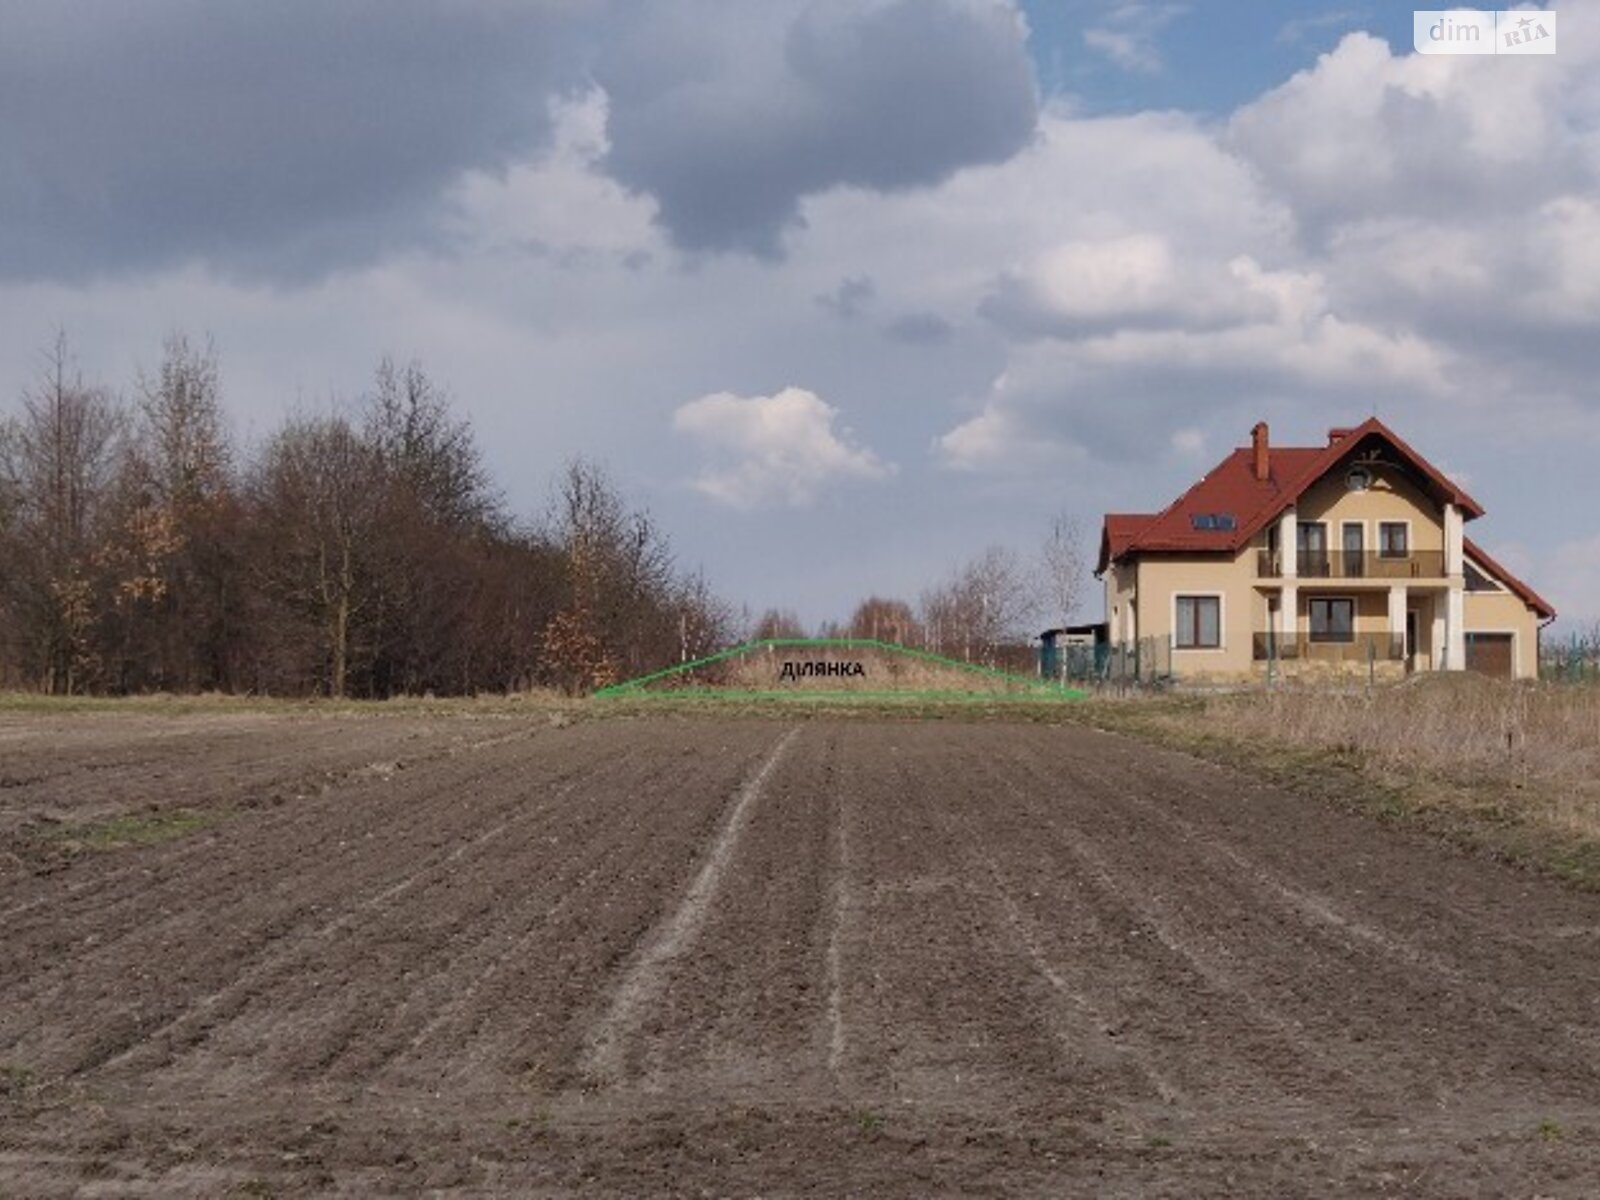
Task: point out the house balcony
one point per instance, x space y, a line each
1348 565
1361 648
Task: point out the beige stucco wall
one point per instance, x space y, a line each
1504 612
1149 585
1372 608
1392 497
1244 609
1121 618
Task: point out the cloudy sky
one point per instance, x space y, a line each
843 290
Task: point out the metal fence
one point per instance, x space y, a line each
1358 648
1570 660
1354 564
1146 662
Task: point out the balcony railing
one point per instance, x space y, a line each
1348 564
1363 647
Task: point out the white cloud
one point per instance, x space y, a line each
999 438
1128 51
1129 34
1090 318
1368 133
785 448
1109 278
1190 443
1303 29
559 203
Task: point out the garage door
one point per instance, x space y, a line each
1489 653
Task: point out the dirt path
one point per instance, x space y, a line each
776 958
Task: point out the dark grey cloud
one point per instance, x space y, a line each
267 137
729 113
919 329
851 298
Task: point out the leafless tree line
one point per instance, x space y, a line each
354 554
988 609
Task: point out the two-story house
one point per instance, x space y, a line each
1296 559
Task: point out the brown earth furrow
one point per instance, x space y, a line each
1428 923
1433 910
1471 1016
269 782
947 1013
737 1013
361 792
288 1041
144 767
529 1016
646 974
843 931
1090 1030
166 876
1346 1003
266 787
921 959
1318 908
1147 1008
319 870
442 987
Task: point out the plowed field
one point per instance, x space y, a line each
269 955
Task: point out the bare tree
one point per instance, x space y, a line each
1063 570
316 493
177 573
885 620
426 450
777 623
706 622
56 463
182 441
984 604
364 556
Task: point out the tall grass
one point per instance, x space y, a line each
1536 747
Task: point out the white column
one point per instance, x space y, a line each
1289 542
1397 613
1455 628
1436 640
1454 556
1288 616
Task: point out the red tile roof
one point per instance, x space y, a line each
1120 530
1231 487
1528 596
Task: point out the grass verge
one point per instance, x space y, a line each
126 830
1510 771
35 704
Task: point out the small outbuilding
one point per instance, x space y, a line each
1069 649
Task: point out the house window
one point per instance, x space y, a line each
1332 619
1199 622
1394 539
1354 534
1313 547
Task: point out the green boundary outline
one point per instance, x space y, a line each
1036 687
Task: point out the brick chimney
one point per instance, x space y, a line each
1261 452
1338 434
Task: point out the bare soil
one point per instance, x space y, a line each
708 957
